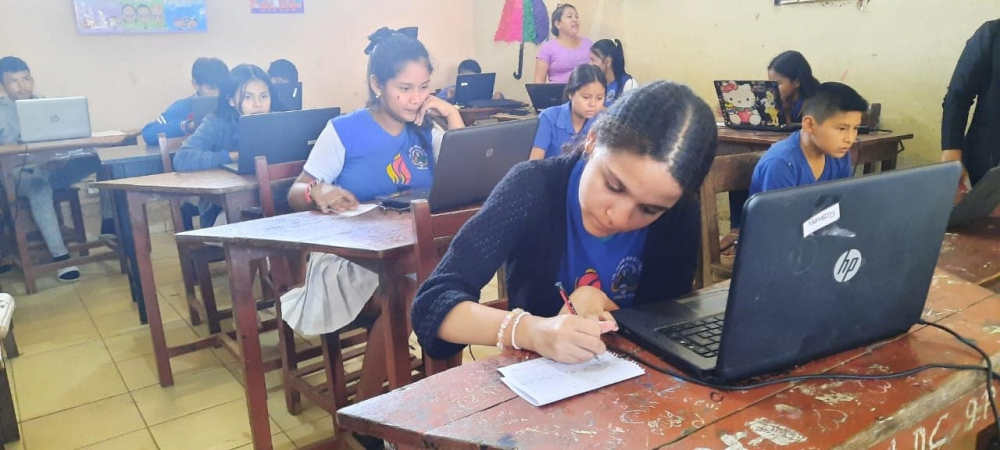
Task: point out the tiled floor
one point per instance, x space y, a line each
86 376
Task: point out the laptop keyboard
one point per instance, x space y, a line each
701 336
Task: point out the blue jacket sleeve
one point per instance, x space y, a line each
205 149
477 251
168 123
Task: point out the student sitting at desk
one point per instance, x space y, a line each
820 151
558 57
796 83
389 146
36 182
248 91
208 76
619 220
608 56
559 125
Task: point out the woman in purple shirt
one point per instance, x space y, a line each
558 57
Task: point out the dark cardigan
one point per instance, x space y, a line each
524 223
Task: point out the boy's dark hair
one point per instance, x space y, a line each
831 99
390 54
236 87
557 16
792 65
12 64
606 48
470 66
283 68
667 122
581 76
210 71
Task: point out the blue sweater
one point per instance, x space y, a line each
169 123
523 222
209 146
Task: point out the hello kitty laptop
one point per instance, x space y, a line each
752 105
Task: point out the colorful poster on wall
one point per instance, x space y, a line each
277 6
140 16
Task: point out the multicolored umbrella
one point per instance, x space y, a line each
523 21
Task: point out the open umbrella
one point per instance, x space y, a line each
523 21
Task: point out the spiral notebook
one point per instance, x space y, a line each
542 381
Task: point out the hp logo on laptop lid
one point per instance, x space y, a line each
847 266
54 119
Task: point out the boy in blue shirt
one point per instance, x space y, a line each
208 76
820 151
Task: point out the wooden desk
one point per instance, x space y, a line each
471 115
469 407
972 252
233 192
872 148
15 155
379 240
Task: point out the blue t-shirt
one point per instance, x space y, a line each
784 165
377 163
555 129
612 264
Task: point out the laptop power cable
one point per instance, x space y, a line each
988 369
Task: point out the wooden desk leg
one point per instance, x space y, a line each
233 204
391 295
8 418
890 164
140 241
245 319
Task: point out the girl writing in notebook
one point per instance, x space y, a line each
617 223
609 56
560 125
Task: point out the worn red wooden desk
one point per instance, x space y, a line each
16 155
233 192
379 240
874 148
972 252
470 408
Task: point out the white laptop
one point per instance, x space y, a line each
50 119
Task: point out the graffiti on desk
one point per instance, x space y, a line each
765 430
936 431
830 419
472 396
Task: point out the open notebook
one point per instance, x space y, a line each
542 381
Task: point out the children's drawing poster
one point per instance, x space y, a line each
277 6
140 16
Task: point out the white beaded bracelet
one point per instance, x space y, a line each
513 331
503 326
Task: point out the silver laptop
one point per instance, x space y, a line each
51 119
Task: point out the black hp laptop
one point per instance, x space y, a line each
289 96
821 269
281 137
980 202
546 95
476 91
471 163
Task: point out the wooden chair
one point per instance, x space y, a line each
432 233
728 173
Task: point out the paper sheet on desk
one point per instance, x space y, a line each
108 133
362 208
542 381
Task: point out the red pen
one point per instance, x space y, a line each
569 305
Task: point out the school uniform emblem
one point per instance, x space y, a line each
398 172
626 279
589 278
419 157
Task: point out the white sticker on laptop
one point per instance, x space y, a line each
822 219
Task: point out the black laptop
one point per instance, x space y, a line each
281 137
201 107
980 202
546 95
821 269
289 96
476 91
471 163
